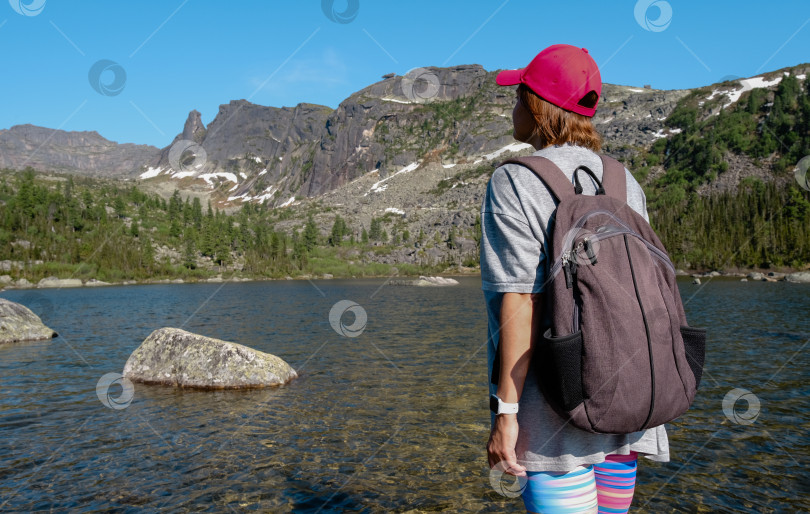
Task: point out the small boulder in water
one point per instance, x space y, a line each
436 281
172 356
18 323
423 281
799 276
58 283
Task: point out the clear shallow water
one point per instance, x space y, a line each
394 420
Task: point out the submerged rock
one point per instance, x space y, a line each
18 323
172 356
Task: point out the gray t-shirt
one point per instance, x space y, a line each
513 259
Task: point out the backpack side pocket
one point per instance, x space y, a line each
561 369
694 342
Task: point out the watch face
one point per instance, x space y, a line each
493 403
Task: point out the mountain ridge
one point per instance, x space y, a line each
255 153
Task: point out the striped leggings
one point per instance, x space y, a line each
606 488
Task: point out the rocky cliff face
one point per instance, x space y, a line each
446 115
75 152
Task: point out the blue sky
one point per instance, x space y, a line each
179 55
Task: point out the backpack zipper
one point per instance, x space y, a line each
565 257
651 246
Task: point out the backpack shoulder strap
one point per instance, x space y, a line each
549 173
613 178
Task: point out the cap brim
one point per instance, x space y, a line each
508 77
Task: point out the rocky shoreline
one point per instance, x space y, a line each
6 282
754 276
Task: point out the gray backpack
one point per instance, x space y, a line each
615 355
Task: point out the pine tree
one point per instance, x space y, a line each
375 232
310 234
147 254
196 213
190 251
175 205
174 229
339 229
120 207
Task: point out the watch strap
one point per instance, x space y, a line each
499 406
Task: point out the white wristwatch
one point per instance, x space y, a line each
499 406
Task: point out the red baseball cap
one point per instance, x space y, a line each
560 74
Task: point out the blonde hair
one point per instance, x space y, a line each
556 126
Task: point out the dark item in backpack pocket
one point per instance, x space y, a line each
559 367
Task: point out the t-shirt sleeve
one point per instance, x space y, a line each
512 255
636 198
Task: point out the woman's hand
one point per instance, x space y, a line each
501 445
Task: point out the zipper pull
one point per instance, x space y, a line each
589 251
569 281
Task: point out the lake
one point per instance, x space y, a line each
393 420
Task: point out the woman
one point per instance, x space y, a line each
566 469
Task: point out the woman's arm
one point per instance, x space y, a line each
515 355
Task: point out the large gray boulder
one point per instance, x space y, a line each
18 323
799 276
172 356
